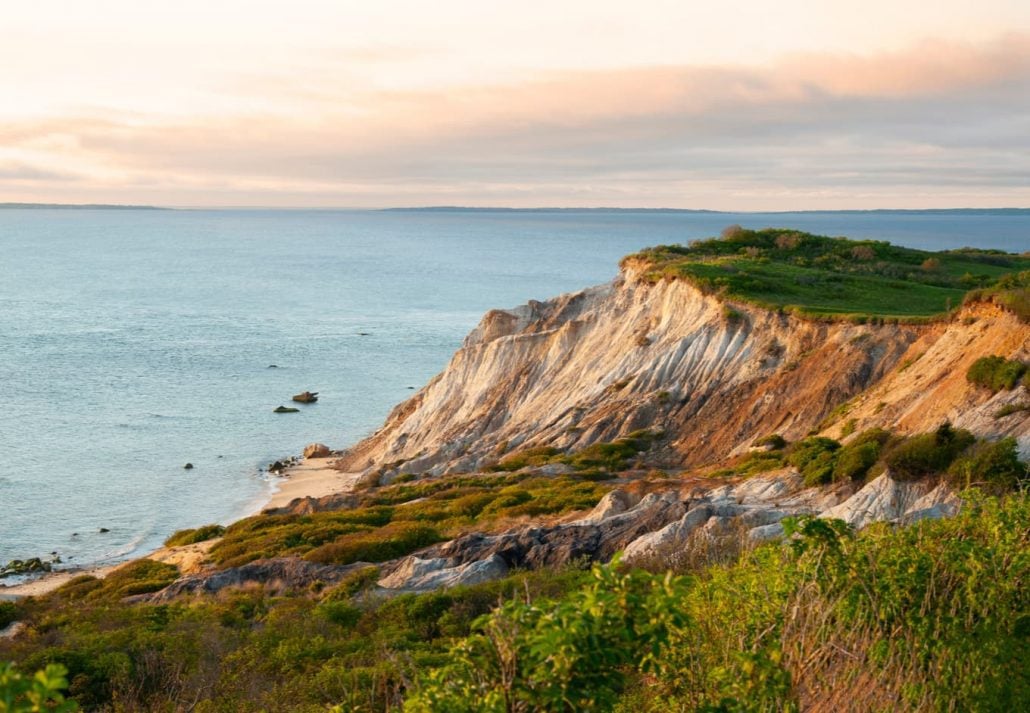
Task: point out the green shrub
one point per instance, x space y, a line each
927 453
138 577
996 373
570 655
926 617
814 457
1009 409
774 441
993 466
853 462
41 692
856 458
8 613
541 455
392 541
193 536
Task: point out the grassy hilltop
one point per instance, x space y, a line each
818 276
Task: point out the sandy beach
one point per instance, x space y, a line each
314 477
311 478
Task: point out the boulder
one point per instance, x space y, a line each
306 397
671 536
882 498
614 502
939 502
278 574
557 545
416 574
285 409
316 450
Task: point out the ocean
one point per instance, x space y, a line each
135 341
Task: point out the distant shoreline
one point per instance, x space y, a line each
310 478
540 210
77 206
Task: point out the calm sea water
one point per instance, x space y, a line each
132 342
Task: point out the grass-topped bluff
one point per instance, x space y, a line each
818 276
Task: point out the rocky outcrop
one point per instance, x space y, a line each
553 546
279 574
886 499
417 574
317 450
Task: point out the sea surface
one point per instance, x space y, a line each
135 341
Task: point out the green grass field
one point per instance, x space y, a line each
820 276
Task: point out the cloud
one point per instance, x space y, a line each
936 117
23 172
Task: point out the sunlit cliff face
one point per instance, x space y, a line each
751 105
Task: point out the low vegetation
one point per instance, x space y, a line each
946 452
818 276
928 617
996 373
1010 292
195 535
392 521
597 458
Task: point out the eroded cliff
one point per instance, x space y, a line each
714 376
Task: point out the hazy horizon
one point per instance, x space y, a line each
748 106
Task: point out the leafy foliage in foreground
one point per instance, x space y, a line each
933 616
250 650
820 276
42 692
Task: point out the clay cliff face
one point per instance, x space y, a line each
598 364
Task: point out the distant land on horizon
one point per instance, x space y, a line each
473 209
505 209
80 206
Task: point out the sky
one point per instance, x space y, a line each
729 105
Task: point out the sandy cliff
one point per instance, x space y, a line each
598 364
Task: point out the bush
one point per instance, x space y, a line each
927 453
996 373
138 577
774 441
42 692
814 457
853 462
193 536
926 617
8 613
993 466
389 542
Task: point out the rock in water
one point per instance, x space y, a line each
286 409
306 397
316 450
188 466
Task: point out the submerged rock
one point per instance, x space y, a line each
285 409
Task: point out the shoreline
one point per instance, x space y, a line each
308 478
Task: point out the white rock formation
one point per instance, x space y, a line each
415 574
